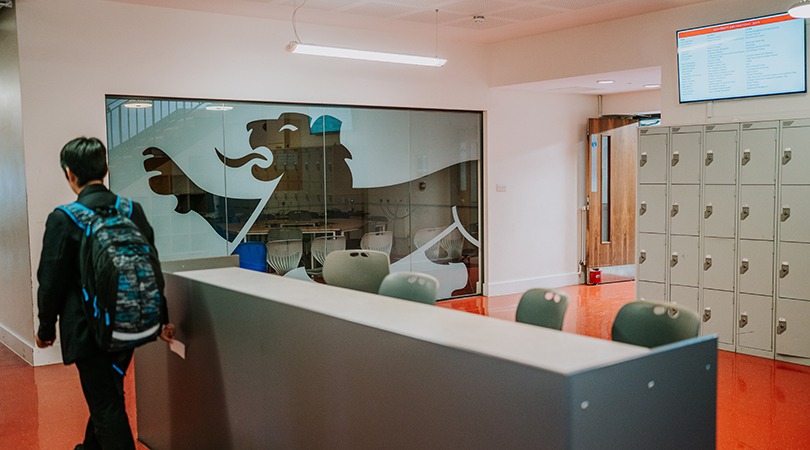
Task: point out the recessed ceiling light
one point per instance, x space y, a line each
605 81
219 108
652 85
138 104
800 10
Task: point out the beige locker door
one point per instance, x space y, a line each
684 260
720 157
720 210
718 315
652 158
650 292
758 156
684 209
795 157
685 158
685 297
794 270
652 208
755 322
794 214
652 257
793 328
719 263
756 212
755 263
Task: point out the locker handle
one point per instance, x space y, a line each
707 264
745 212
707 314
744 266
785 213
643 159
781 326
674 261
709 157
642 256
674 211
675 158
642 209
746 156
786 156
708 212
743 319
784 270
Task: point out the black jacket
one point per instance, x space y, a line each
59 280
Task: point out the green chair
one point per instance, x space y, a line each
361 270
413 286
651 324
542 307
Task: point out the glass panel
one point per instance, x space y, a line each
605 188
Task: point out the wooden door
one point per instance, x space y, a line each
611 192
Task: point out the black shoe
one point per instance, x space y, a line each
79 447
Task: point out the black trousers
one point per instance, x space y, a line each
102 380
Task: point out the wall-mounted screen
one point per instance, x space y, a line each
748 58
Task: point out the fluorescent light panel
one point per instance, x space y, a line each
138 104
337 52
800 10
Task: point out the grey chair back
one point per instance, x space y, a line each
543 307
361 270
651 324
380 241
413 286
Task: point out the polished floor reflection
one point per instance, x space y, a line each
761 404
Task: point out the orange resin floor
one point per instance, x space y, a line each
761 404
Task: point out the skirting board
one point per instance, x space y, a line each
520 286
17 345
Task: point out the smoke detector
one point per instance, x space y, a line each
478 19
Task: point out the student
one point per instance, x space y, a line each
84 162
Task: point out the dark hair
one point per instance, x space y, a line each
86 158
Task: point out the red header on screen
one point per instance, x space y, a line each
734 26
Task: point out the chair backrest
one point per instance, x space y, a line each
452 244
284 256
284 234
651 324
377 223
413 286
543 307
324 245
361 270
380 241
251 256
424 236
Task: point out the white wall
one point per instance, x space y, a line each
631 103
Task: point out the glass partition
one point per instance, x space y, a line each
285 184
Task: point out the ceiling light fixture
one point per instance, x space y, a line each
5 4
138 104
605 81
800 10
652 86
218 108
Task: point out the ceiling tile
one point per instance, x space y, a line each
488 24
576 4
524 13
473 7
379 10
430 17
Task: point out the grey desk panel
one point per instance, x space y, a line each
183 265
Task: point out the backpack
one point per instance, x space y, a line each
122 283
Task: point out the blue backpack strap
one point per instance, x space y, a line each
124 206
79 213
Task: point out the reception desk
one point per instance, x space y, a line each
274 363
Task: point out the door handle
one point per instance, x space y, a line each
708 212
744 266
642 209
785 213
709 157
674 261
746 156
786 156
642 256
781 326
743 319
746 211
707 314
707 264
674 211
675 158
643 160
784 270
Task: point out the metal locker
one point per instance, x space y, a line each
652 158
719 210
755 322
684 209
650 292
685 297
793 269
795 157
758 156
794 214
720 157
652 208
792 328
685 158
719 263
684 260
651 254
756 212
755 266
718 315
